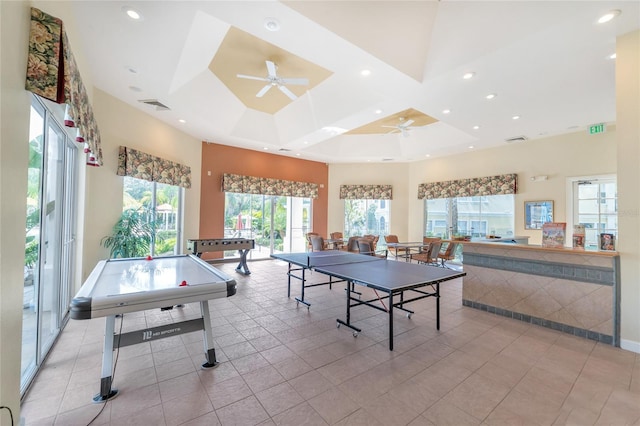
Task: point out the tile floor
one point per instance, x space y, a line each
281 364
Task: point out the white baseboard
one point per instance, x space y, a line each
630 345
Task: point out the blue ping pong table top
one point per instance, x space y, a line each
381 274
314 259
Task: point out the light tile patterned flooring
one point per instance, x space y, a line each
281 364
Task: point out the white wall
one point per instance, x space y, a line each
14 158
121 124
628 119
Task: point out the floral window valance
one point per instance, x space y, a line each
52 73
140 165
365 192
490 185
268 186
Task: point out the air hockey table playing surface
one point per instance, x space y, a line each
118 286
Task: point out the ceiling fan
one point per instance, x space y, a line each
272 79
403 127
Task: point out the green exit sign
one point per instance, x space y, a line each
597 128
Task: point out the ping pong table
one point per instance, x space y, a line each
381 275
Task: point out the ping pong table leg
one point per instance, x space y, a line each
390 321
438 305
356 330
301 299
209 350
107 362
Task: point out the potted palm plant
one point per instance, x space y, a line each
132 235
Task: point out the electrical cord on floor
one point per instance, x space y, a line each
10 412
113 373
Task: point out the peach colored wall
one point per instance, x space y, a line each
219 159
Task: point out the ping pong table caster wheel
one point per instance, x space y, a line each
337 325
355 334
409 316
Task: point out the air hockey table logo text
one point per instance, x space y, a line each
149 334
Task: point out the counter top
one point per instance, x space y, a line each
563 250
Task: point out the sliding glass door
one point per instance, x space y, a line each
276 223
49 237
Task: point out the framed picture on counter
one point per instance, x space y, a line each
537 213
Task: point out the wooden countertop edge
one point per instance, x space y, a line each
563 250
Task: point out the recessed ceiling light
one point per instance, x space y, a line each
428 155
305 142
298 154
608 16
132 13
378 111
476 127
468 75
516 117
446 111
182 121
272 24
491 96
265 148
365 72
471 146
612 56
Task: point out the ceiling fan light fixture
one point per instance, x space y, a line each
491 96
365 72
272 24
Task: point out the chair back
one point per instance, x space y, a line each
317 243
365 246
374 240
391 238
434 251
336 235
352 244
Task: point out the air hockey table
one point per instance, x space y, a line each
120 286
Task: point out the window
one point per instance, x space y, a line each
276 223
49 236
162 205
469 216
363 217
595 205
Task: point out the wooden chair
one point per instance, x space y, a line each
365 246
374 239
337 236
448 254
308 235
352 245
394 239
317 243
429 256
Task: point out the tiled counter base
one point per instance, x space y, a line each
573 291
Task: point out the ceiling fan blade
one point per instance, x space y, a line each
262 91
407 123
271 68
391 127
250 77
392 131
298 81
288 92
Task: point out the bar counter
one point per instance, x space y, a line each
574 291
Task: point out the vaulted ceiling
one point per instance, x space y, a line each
545 62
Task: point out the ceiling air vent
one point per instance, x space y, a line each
387 159
284 150
516 139
159 106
